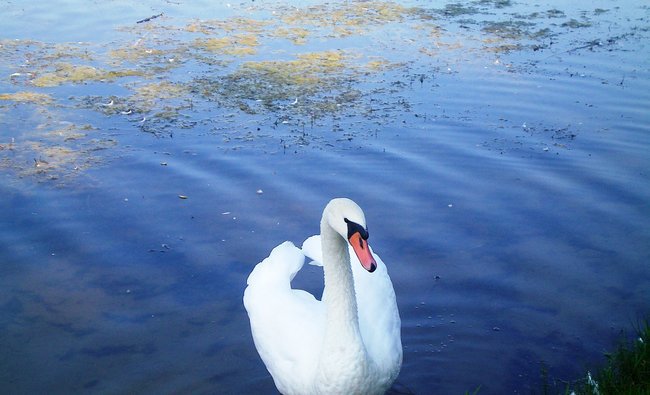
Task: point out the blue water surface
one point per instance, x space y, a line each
506 189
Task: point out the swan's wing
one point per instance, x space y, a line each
287 324
379 320
313 250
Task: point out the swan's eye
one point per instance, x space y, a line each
354 227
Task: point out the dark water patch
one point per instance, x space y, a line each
73 329
91 384
128 318
9 311
117 350
214 349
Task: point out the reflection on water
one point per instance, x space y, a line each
498 150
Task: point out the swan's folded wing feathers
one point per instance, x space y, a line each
379 319
313 250
279 267
286 323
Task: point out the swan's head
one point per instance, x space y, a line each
347 219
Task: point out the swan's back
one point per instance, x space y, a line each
287 324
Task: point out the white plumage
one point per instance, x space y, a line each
347 343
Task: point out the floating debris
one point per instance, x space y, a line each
150 18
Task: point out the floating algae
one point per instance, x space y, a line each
269 62
235 45
28 97
273 81
149 93
514 30
231 25
55 155
310 68
69 73
51 157
458 9
552 13
69 133
31 55
575 24
297 35
346 19
137 54
353 14
380 64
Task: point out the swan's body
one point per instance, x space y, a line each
348 343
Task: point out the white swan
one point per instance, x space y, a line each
348 343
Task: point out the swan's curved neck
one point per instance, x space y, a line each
343 345
339 284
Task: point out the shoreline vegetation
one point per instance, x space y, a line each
626 370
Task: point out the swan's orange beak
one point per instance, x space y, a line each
360 247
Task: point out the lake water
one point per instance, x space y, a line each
500 152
